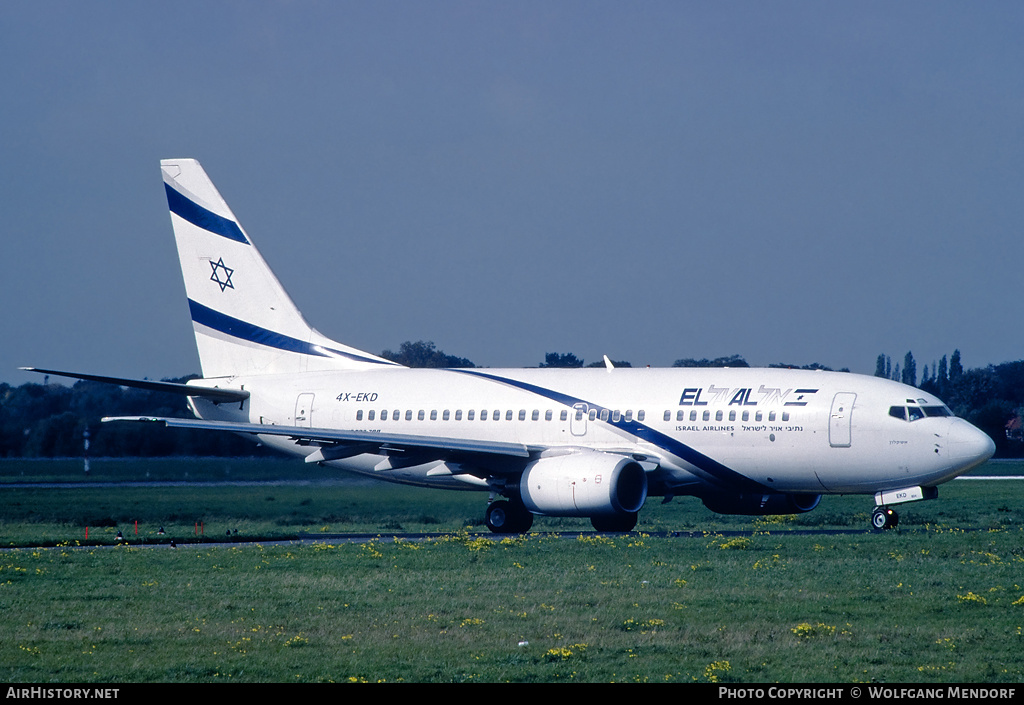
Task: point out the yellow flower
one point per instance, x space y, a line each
805 630
712 670
971 597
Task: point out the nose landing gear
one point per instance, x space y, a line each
884 518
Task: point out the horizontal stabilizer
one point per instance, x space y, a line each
189 390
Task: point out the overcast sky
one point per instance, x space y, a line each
788 181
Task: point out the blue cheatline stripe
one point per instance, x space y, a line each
199 216
236 328
731 479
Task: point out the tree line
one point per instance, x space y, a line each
43 420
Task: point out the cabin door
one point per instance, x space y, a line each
840 420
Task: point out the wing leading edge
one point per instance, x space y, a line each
335 444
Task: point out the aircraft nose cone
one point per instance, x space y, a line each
967 444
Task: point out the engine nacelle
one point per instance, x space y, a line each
761 503
584 484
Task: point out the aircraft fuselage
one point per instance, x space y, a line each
790 431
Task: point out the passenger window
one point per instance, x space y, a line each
668 415
370 414
359 415
693 416
420 415
771 415
629 415
433 414
592 415
446 415
746 416
785 416
564 415
384 415
548 415
396 415
757 416
605 414
458 414
640 415
718 416
707 415
535 416
616 416
732 414
483 414
471 414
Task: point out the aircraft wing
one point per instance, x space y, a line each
335 444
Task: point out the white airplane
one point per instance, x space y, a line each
590 443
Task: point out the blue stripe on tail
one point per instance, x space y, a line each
248 332
199 216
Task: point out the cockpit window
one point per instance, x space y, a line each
913 413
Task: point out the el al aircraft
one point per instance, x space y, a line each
590 443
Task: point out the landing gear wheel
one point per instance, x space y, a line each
884 518
507 518
625 521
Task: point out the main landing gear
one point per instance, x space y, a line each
508 518
884 518
511 517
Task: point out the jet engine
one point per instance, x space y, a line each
761 503
584 484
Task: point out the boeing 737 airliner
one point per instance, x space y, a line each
592 443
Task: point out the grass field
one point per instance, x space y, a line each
940 600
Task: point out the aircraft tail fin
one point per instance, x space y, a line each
245 323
